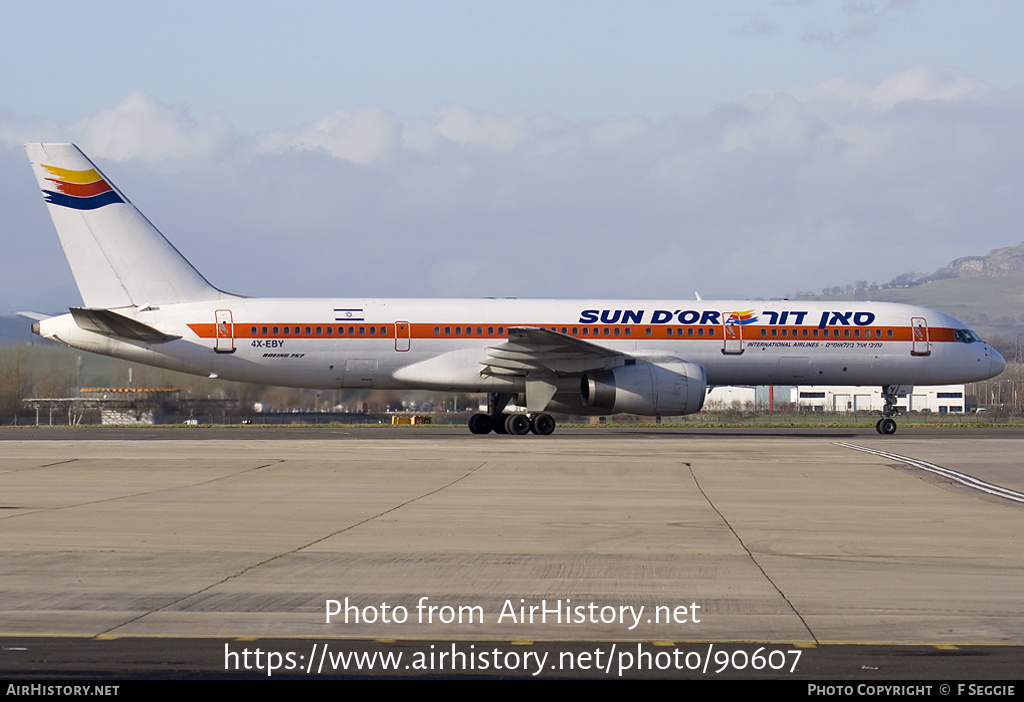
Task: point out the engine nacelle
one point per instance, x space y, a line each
646 389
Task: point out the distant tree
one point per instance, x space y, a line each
14 385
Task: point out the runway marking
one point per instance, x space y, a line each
271 559
956 476
750 555
127 495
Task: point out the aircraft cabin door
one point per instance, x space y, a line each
921 345
403 336
225 334
733 338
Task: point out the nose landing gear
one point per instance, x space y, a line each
887 425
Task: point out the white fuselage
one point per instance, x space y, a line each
444 344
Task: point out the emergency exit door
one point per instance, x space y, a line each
225 336
921 345
403 336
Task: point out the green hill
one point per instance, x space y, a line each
993 307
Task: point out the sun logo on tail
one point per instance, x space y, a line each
79 190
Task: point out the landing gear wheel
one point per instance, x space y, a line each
878 426
886 425
496 402
480 424
543 424
517 424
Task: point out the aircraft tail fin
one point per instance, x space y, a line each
118 258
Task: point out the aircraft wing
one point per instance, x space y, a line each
538 351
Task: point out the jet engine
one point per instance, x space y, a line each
646 389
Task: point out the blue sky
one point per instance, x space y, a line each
558 149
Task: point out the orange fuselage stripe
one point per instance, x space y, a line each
617 332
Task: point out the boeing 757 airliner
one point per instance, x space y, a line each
145 303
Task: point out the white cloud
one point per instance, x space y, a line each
785 189
364 136
861 22
918 83
141 127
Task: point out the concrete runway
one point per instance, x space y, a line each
775 537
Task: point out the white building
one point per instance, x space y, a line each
727 397
941 399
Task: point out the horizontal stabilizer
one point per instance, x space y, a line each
111 323
34 316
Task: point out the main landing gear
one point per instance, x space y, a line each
887 425
518 424
500 423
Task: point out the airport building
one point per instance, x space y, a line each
732 397
941 399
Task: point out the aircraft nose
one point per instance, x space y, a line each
997 363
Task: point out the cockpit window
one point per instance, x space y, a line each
965 336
